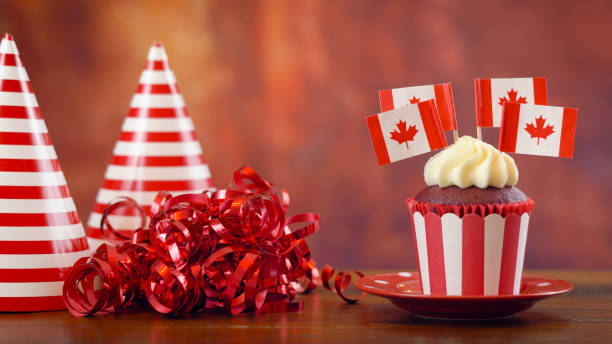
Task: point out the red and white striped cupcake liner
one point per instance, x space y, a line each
157 150
470 250
41 235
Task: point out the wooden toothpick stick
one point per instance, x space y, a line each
479 133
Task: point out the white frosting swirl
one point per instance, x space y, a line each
471 162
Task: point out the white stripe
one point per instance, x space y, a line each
13 73
32 178
157 124
40 261
31 289
157 148
157 77
157 54
157 173
157 101
18 99
117 221
19 125
94 243
42 233
419 228
141 197
493 247
36 206
520 255
452 244
27 152
8 46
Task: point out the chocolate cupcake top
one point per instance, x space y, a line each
471 162
471 195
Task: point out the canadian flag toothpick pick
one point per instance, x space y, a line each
442 94
538 130
491 94
406 131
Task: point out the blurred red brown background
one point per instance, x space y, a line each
285 86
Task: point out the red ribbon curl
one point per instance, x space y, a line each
230 249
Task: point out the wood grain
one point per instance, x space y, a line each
582 316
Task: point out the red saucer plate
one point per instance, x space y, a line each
403 289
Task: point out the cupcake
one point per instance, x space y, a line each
470 222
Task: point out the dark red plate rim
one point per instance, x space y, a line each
553 287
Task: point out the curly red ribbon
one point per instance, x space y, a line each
230 249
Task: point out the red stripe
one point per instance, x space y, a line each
43 247
378 140
40 219
31 304
435 254
509 254
12 138
94 232
386 100
15 86
432 125
33 275
157 65
140 136
568 133
484 106
446 106
539 91
20 112
34 192
509 127
158 112
10 60
472 279
189 160
154 185
29 165
158 89
7 36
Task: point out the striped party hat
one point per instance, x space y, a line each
41 235
157 150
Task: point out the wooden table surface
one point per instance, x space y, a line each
584 315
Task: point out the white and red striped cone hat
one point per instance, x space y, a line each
41 235
157 150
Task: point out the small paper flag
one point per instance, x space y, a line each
406 131
491 94
442 94
538 130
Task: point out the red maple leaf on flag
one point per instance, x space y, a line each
539 130
403 135
414 100
512 94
